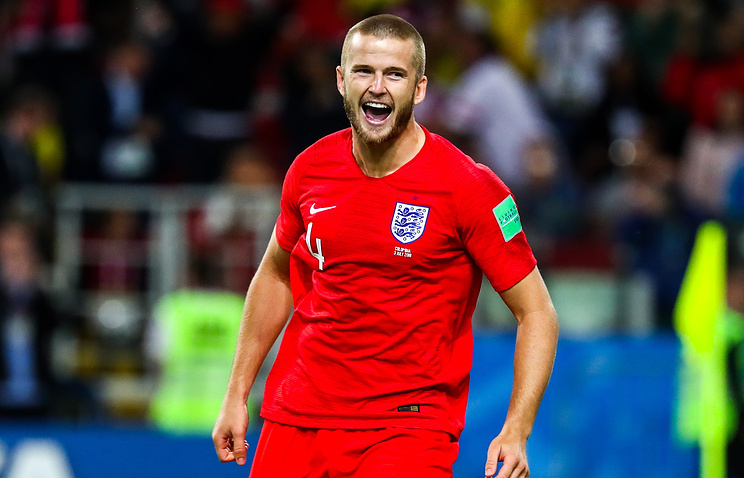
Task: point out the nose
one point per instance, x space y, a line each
378 83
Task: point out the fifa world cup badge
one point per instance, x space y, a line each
508 216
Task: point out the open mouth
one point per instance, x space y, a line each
376 113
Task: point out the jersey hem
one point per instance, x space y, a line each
524 271
360 424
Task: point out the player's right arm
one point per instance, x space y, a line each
267 307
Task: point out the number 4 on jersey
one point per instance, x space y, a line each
318 255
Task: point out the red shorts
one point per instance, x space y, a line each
294 452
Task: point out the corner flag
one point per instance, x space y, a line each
702 408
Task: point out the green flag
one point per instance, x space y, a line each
702 406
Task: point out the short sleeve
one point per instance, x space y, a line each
289 225
491 229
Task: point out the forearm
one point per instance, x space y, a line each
534 354
267 307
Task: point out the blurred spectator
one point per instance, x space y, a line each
223 58
157 28
323 21
312 106
492 106
735 198
28 322
734 320
226 232
550 204
721 70
371 7
43 35
115 253
638 210
31 151
188 343
617 120
643 183
575 41
20 176
512 21
246 167
677 77
651 34
51 43
437 21
127 153
711 156
708 61
294 98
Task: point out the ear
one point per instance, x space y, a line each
420 92
340 80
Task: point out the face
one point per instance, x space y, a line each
379 87
18 264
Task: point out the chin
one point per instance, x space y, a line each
379 134
376 137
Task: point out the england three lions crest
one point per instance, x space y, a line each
409 222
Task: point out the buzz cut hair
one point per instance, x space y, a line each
388 26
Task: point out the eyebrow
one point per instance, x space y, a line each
388 69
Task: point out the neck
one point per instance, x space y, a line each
379 160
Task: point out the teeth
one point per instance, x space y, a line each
376 105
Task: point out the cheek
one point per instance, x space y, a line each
350 90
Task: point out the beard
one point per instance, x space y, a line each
385 133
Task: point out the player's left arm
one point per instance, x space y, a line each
534 354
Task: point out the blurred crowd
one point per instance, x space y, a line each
618 124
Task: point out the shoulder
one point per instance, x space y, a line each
447 155
462 173
326 153
327 147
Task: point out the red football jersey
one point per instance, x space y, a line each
385 275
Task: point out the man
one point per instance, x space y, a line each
383 233
491 107
188 342
28 323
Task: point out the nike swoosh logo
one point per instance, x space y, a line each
313 209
